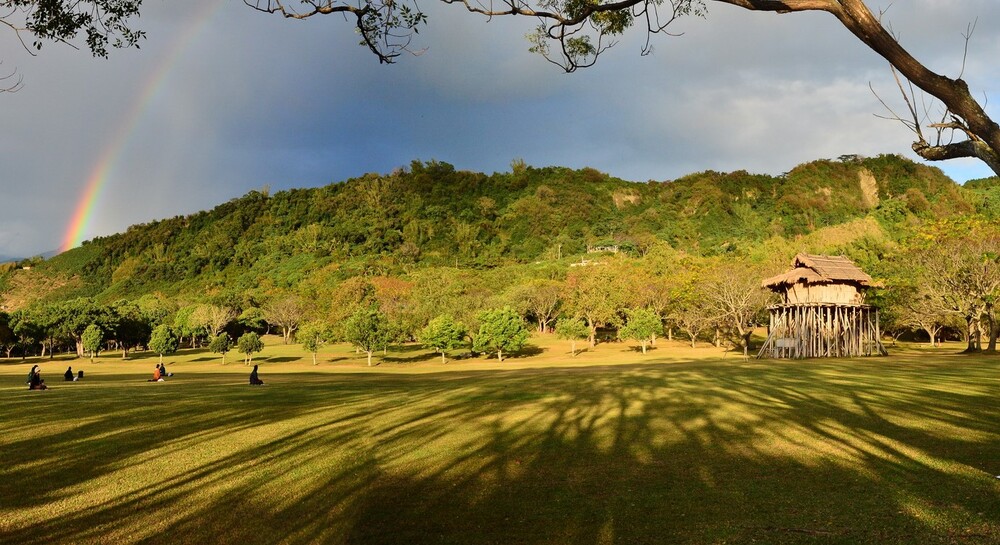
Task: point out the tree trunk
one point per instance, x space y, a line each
643 347
930 333
314 359
499 354
572 350
442 357
969 336
593 333
992 347
369 357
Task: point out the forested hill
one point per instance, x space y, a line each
432 215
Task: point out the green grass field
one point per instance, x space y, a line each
680 446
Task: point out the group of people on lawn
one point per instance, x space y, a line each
160 373
36 382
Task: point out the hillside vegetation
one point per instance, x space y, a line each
431 215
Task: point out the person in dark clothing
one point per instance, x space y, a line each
68 375
36 382
163 370
31 373
254 380
79 375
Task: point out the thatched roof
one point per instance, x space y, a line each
820 269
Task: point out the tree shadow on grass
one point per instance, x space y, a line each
769 453
334 359
525 352
409 347
423 356
529 351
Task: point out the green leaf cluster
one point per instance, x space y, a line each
500 330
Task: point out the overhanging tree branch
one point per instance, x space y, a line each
385 26
953 93
12 82
103 23
583 30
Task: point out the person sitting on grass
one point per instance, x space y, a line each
68 375
79 375
37 382
254 380
157 376
163 370
31 373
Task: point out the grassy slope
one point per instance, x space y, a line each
679 447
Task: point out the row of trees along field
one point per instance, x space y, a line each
945 278
430 245
446 308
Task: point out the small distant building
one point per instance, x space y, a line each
822 313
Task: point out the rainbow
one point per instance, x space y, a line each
105 165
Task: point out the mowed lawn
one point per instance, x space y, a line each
680 446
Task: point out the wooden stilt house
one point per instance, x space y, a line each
822 313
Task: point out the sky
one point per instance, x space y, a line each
221 100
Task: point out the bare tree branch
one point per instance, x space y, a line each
976 149
11 86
